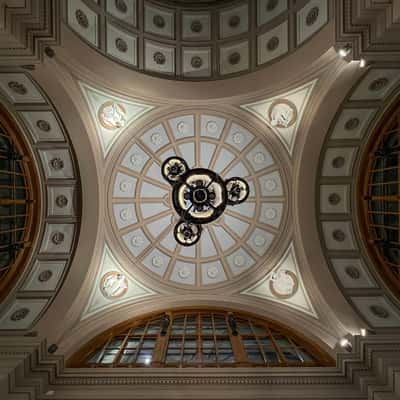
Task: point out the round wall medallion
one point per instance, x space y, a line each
334 199
159 58
352 124
156 139
378 84
112 115
273 43
137 241
45 275
43 125
159 21
196 26
121 6
82 19
157 261
338 235
57 238
379 311
121 45
271 5
149 239
270 213
56 163
19 314
196 62
61 201
212 272
312 16
338 162
259 158
234 58
284 284
352 272
234 21
17 87
184 272
113 285
125 214
239 260
282 113
136 159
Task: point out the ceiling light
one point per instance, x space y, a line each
147 360
363 332
344 51
199 196
345 343
363 63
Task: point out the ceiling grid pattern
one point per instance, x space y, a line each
195 42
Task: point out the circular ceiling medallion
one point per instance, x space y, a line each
282 113
112 115
284 284
113 285
143 213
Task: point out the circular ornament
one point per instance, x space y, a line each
159 21
196 62
284 284
379 311
113 285
234 21
196 26
338 162
282 113
82 19
338 235
121 45
19 314
56 163
121 6
18 88
61 201
312 16
159 58
378 84
57 238
352 272
234 58
112 115
273 43
45 275
352 124
43 125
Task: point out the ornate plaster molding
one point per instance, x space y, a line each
371 370
26 28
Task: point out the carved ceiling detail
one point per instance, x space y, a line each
26 28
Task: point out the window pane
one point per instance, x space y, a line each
177 326
192 344
94 357
282 341
173 356
259 330
220 326
206 326
190 356
271 356
305 356
291 355
139 330
109 356
175 343
115 343
191 325
149 343
226 356
133 342
145 356
244 328
254 356
128 357
154 328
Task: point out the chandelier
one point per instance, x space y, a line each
199 196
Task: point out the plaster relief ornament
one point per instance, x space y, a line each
284 284
112 115
199 196
282 113
113 285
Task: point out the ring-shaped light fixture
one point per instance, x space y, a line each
199 196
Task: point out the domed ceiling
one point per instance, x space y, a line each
143 217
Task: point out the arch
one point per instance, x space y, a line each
379 200
192 337
19 203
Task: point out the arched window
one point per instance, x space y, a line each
18 203
380 198
199 338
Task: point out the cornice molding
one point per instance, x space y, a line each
26 28
371 26
371 369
